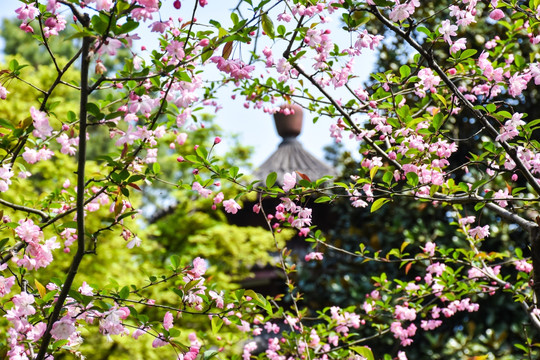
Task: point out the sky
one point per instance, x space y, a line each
254 127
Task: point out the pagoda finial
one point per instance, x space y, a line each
289 120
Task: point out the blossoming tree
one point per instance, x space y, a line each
402 123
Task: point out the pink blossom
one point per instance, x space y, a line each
168 321
181 138
53 25
236 68
271 328
159 341
479 232
6 284
496 14
436 268
401 355
401 12
63 328
109 46
313 256
535 72
27 12
42 129
467 220
103 4
509 130
136 241
429 80
201 190
518 83
199 267
3 92
23 304
502 194
446 30
28 231
523 265
284 17
430 248
248 349
68 144
138 333
5 175
219 198
231 206
289 181
86 289
111 324
430 324
218 298
176 49
459 44
404 313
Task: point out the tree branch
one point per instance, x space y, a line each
44 216
81 159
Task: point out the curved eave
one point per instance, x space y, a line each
290 157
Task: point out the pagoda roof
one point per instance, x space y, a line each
291 156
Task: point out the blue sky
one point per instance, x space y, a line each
254 127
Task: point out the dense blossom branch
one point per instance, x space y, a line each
511 151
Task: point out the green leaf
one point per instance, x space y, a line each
479 206
268 26
405 71
412 179
424 30
207 53
7 124
124 293
233 172
437 120
377 204
201 152
388 177
384 3
467 53
183 76
363 351
504 114
519 60
13 65
208 354
127 27
271 179
441 98
93 109
175 261
217 323
491 108
323 199
234 18
99 25
3 243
